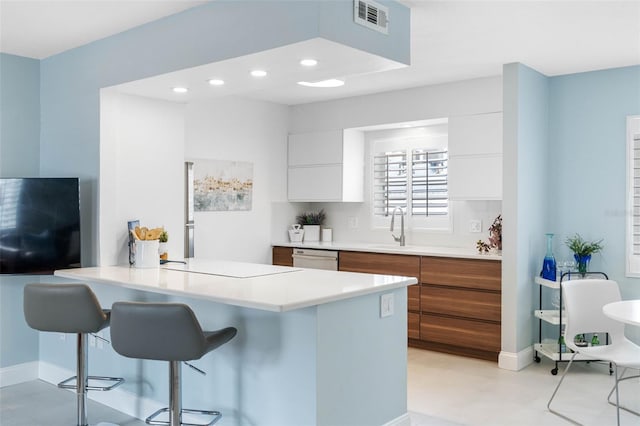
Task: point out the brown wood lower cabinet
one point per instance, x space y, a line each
460 336
456 308
481 305
282 256
460 306
414 325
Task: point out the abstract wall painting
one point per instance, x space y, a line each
222 185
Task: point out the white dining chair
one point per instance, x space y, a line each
583 302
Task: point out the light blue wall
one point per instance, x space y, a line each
525 201
19 157
588 165
336 23
565 172
18 342
19 116
378 379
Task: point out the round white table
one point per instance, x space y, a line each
627 311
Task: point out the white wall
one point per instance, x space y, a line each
236 129
428 102
141 171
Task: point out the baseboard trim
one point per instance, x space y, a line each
515 361
18 373
118 398
403 420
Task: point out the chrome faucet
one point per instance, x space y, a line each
399 239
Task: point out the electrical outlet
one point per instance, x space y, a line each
386 305
475 225
62 336
353 222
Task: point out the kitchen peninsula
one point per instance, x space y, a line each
313 347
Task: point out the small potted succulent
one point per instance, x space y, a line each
582 251
162 247
311 222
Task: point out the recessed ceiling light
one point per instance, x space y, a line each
324 83
308 62
258 73
216 82
180 89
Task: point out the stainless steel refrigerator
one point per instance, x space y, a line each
188 212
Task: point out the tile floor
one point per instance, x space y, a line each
465 391
444 390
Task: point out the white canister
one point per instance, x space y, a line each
312 232
147 254
327 235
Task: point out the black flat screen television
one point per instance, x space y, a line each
39 225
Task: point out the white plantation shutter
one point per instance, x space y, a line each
389 182
429 193
419 182
635 176
633 197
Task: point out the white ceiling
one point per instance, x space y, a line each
450 40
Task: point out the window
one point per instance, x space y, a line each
633 196
390 181
415 180
429 196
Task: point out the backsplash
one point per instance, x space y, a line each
342 216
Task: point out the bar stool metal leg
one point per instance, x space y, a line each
81 382
175 397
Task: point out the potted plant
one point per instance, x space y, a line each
162 248
582 251
495 237
311 221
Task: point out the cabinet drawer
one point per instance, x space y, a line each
413 325
282 256
460 302
460 332
413 297
467 273
378 263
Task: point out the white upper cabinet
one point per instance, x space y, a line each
475 157
308 149
326 166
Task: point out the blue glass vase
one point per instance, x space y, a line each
549 263
583 262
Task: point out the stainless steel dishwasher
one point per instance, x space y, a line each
315 259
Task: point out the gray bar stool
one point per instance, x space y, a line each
165 332
70 308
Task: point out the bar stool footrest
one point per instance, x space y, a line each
216 416
70 383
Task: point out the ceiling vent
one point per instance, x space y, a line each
371 15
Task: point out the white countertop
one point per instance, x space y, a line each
459 252
275 288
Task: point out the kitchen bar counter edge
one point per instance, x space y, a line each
281 292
